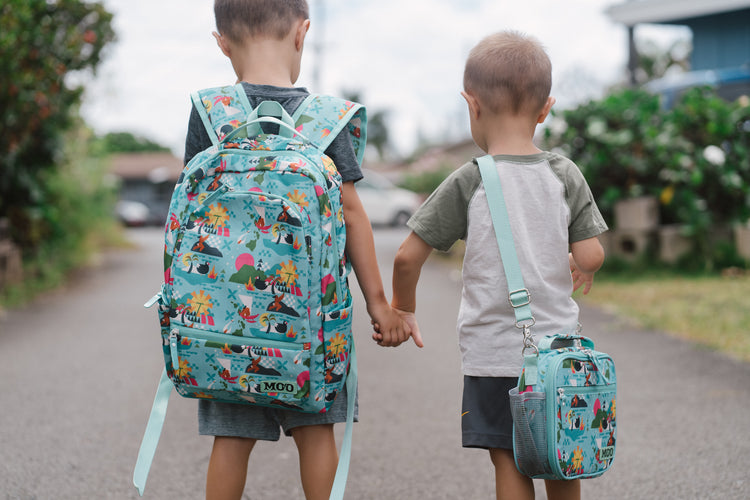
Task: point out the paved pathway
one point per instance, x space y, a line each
78 369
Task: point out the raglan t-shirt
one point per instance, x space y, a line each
549 206
341 150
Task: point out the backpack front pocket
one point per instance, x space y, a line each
586 430
244 370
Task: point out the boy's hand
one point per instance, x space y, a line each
411 323
411 319
390 330
579 277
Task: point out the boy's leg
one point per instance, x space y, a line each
563 490
509 483
318 459
227 468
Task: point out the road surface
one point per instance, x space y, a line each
79 367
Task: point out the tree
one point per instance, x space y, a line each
41 42
125 142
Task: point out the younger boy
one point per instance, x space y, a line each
507 81
264 40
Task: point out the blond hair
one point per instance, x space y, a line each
239 19
509 71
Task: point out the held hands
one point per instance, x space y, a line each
579 277
393 327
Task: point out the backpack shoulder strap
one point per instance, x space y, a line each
222 109
321 118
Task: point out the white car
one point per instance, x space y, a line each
385 203
132 213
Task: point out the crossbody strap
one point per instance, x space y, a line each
518 295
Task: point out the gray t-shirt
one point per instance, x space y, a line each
549 207
341 150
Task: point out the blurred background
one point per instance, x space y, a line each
652 104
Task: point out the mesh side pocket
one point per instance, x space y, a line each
530 432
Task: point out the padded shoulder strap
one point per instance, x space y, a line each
321 118
222 109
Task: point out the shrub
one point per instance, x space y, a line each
694 158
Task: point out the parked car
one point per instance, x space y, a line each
385 203
132 213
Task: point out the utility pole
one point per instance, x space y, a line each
319 45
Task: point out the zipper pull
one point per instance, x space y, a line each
173 350
223 189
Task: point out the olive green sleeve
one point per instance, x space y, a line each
442 218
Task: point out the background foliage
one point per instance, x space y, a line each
41 43
695 158
57 196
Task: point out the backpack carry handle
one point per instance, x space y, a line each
253 128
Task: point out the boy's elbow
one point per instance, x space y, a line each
402 261
411 254
588 255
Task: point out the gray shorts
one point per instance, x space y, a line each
257 422
486 421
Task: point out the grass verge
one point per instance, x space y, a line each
712 311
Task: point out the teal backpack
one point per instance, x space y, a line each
255 307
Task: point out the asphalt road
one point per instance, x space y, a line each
79 367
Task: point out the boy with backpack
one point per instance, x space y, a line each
264 40
554 221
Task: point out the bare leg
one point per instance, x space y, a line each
509 483
563 490
318 459
227 468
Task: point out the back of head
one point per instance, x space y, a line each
239 19
509 71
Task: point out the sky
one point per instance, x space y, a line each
405 57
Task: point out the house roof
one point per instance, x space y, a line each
666 11
156 167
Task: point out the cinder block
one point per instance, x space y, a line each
673 244
638 214
630 244
742 240
10 264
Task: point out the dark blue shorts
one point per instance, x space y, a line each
486 421
256 422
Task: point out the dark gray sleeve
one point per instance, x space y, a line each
341 151
443 217
197 138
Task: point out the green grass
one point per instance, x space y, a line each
713 311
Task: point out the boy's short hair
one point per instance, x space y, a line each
238 19
509 71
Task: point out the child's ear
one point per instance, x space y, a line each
299 37
473 103
546 109
222 43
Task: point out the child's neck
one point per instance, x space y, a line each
510 137
266 63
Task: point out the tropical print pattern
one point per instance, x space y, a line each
255 306
581 396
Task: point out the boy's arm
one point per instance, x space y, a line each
406 270
586 257
360 247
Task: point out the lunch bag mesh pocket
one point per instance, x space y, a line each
530 432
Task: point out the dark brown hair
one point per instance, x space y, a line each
238 19
509 71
